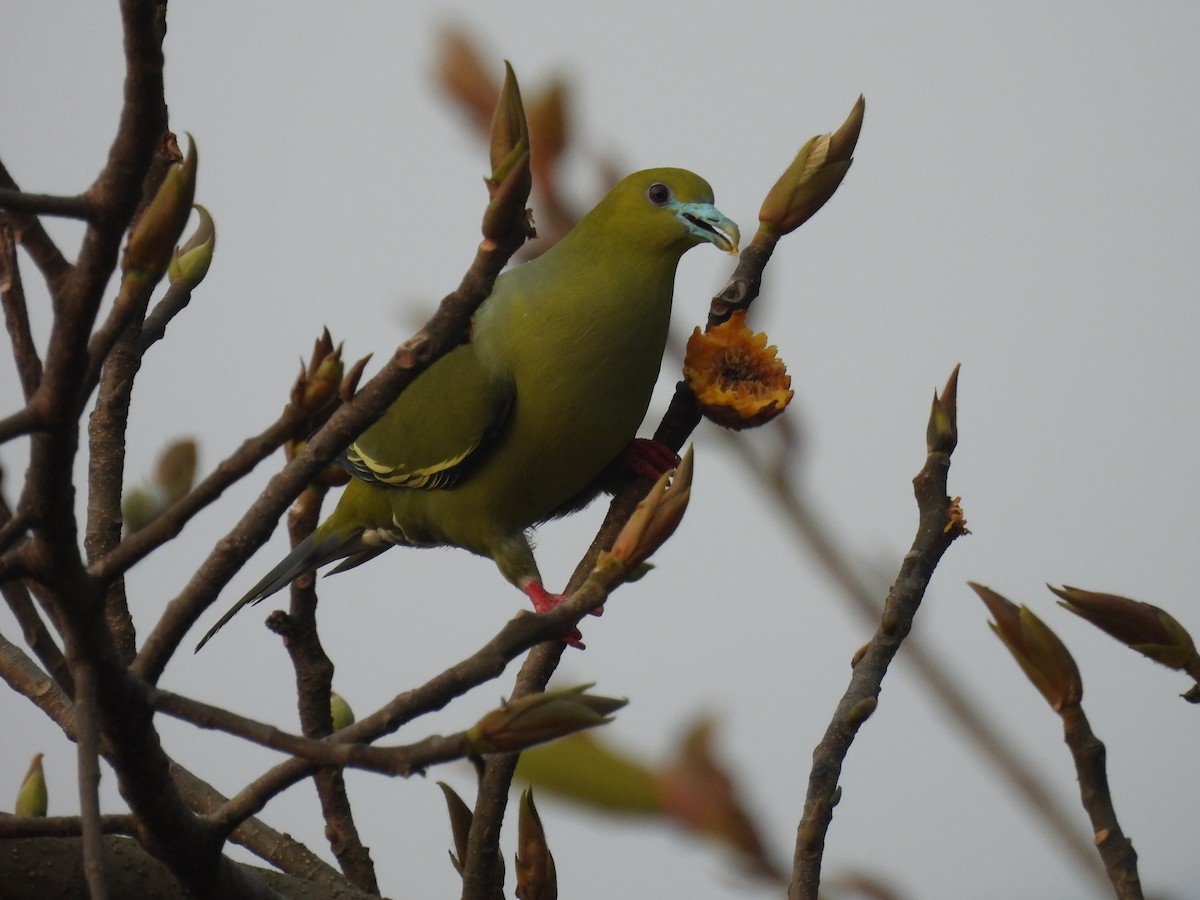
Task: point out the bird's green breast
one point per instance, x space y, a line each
584 353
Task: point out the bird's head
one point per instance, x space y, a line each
668 208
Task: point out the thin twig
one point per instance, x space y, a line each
115 363
88 753
25 420
23 675
314 682
1116 850
173 302
517 636
37 242
932 540
76 207
280 850
778 483
60 826
141 543
444 330
16 314
37 635
406 760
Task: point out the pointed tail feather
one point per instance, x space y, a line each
309 555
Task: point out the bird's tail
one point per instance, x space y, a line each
310 554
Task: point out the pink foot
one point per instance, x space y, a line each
647 458
544 601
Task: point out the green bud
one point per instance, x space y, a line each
541 717
173 479
320 384
812 178
861 711
32 797
176 470
153 236
139 507
339 711
858 655
190 261
509 196
941 434
511 179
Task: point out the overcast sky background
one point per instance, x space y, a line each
1023 202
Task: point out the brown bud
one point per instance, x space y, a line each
1041 655
656 517
536 877
1151 631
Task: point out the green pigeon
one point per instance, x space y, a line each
519 424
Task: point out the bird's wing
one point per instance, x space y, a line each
438 428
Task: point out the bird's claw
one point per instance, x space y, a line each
544 601
648 458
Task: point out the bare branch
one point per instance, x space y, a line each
314 682
776 478
37 635
60 826
1116 850
518 635
88 753
173 302
16 201
37 243
934 536
23 675
445 330
24 421
16 314
50 866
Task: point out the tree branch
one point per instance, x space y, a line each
776 478
1116 850
23 675
522 632
60 826
50 867
37 635
37 242
88 753
935 533
17 201
444 330
16 314
314 682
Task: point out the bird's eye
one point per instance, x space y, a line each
659 194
